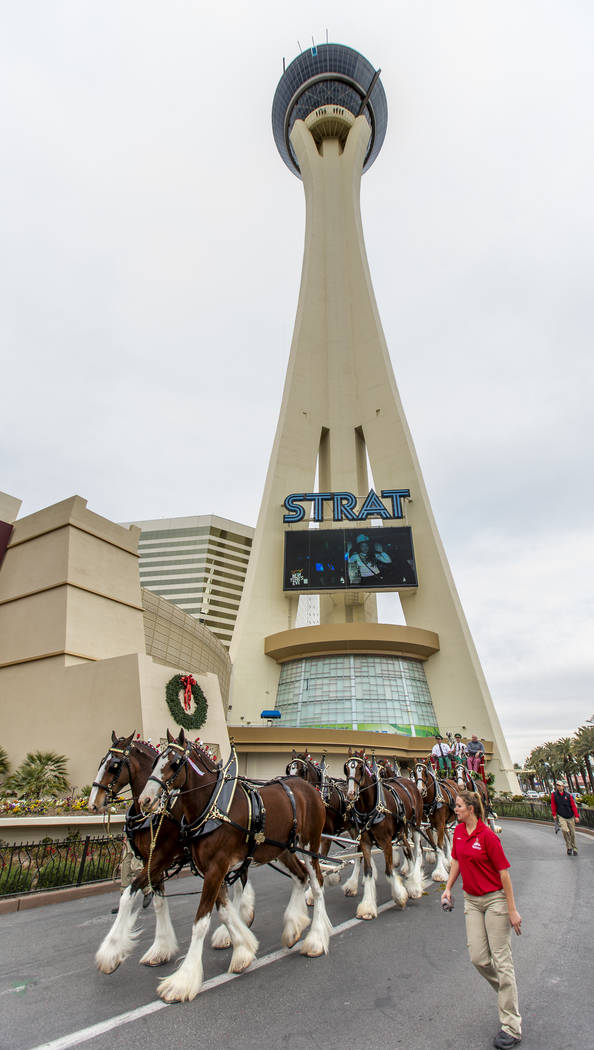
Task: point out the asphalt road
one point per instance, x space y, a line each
401 981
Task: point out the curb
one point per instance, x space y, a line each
547 824
69 893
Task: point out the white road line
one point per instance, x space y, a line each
85 1034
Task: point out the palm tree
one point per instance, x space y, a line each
552 761
41 773
583 748
536 761
568 763
4 764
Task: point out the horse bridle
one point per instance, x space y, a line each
110 794
165 785
305 763
358 783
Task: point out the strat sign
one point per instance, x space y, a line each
344 504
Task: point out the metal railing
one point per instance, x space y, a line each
30 867
538 811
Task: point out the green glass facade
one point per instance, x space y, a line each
382 693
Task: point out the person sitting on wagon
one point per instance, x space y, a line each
459 751
440 754
476 754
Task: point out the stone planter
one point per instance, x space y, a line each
36 828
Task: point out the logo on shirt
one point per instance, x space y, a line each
476 845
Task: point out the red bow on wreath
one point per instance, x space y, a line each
188 682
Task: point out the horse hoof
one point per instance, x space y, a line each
220 939
350 893
171 991
240 961
108 969
366 915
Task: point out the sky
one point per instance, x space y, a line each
150 263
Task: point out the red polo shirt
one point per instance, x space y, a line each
481 858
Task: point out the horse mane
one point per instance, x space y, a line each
200 749
146 748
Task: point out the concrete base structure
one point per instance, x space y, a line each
73 659
265 751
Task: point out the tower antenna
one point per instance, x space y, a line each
300 48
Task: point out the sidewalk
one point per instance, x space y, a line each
70 893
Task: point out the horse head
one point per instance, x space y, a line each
113 774
178 761
358 774
302 765
462 778
420 778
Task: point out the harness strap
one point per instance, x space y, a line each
292 842
402 783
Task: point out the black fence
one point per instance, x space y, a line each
30 867
538 811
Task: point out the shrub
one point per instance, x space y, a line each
17 880
587 800
58 873
40 773
97 870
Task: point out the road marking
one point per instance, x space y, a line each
85 1034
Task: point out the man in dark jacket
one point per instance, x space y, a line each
565 811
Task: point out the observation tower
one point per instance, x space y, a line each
345 513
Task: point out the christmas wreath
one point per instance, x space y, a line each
183 715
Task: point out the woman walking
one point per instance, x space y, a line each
489 908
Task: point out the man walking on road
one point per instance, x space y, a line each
565 811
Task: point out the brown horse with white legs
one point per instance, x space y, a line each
228 823
439 799
338 809
382 810
129 762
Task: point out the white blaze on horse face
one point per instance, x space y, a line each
422 787
152 791
351 782
294 769
92 803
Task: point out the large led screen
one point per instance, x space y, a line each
334 559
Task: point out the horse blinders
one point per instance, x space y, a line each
115 768
177 764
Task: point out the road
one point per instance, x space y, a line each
401 981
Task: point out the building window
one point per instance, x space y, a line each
381 693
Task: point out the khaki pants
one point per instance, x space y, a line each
130 866
488 934
568 829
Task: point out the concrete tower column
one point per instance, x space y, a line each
341 406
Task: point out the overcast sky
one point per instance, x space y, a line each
150 264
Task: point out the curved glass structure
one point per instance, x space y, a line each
384 693
330 74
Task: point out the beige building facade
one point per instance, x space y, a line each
84 651
341 413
